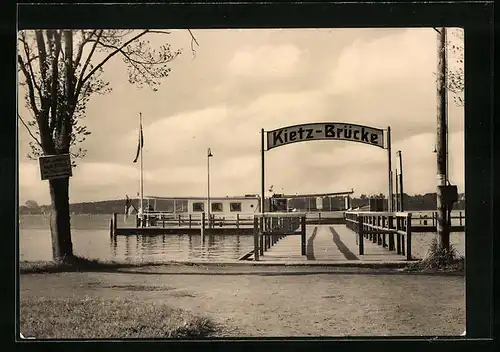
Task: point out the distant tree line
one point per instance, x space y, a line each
411 202
101 207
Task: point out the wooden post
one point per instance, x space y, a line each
179 220
256 238
397 190
403 249
163 221
203 221
389 166
401 188
303 235
408 237
374 235
460 218
115 225
384 237
390 225
360 235
261 236
190 219
319 218
237 221
111 228
398 235
379 236
263 171
442 226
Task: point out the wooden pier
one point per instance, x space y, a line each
227 224
326 244
365 237
391 230
218 225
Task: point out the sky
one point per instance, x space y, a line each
240 81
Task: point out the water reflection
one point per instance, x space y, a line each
114 245
128 252
182 247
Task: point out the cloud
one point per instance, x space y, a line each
265 61
247 80
405 56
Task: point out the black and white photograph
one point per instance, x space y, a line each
236 183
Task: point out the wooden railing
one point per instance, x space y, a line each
387 229
269 228
163 219
423 223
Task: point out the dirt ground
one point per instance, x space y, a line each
283 301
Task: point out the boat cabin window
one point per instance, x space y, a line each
235 206
198 206
216 207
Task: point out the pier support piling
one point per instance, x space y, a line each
303 235
361 248
256 239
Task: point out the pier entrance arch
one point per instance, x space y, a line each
376 137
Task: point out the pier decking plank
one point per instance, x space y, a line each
325 249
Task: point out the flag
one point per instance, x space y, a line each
140 143
128 206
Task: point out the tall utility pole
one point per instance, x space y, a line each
401 189
209 155
397 191
442 228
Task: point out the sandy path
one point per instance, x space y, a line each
271 304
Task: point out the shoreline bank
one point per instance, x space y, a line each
231 267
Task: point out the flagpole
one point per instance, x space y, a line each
141 167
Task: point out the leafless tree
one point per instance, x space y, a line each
61 70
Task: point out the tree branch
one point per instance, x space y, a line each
97 67
155 31
81 47
134 62
127 55
81 80
29 82
29 131
42 53
30 67
55 73
193 39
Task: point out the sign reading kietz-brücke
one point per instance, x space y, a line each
55 166
325 131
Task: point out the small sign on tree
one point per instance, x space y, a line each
55 166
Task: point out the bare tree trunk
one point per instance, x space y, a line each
60 229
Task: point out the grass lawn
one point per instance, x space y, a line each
241 302
94 317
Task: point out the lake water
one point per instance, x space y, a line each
90 235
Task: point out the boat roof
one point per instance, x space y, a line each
291 196
203 198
